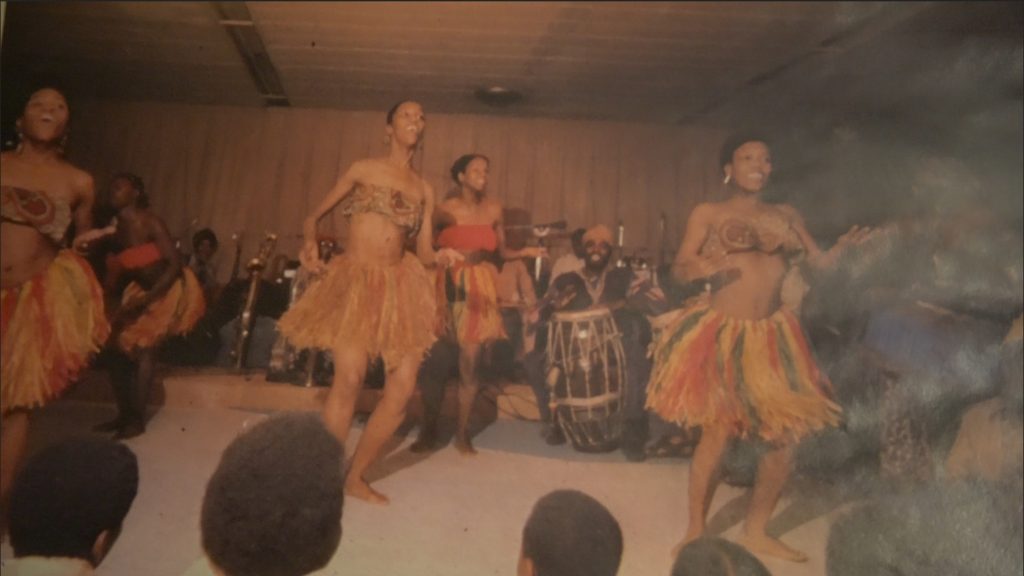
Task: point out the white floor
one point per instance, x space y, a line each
450 515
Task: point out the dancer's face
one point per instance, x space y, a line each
407 124
45 117
750 167
475 176
122 193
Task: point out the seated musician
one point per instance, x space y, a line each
597 285
162 298
254 306
204 248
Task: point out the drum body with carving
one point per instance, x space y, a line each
586 377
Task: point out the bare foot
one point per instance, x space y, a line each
358 488
464 446
691 535
768 546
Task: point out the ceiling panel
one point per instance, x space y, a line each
632 61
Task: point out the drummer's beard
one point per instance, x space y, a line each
596 262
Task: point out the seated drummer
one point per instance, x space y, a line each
618 289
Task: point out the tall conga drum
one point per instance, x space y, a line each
586 378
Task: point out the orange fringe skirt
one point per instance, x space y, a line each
176 313
470 303
50 327
386 309
758 377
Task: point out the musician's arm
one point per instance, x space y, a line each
526 289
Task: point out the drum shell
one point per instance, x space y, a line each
586 378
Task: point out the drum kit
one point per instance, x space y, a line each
305 367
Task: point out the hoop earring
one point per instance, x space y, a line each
727 178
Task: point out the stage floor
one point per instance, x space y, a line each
450 515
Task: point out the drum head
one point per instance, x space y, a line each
581 316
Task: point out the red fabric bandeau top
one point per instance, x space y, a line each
469 237
139 256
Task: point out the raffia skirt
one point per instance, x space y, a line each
758 377
174 314
388 310
468 303
50 327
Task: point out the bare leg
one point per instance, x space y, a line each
432 377
386 418
122 380
704 473
137 396
13 439
469 355
349 373
772 473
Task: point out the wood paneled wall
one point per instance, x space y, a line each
257 170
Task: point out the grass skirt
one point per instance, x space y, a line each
176 313
470 308
50 327
758 377
388 310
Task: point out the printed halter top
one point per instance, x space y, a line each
50 216
386 201
769 233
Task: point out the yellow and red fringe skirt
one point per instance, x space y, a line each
49 327
386 309
758 377
175 313
468 303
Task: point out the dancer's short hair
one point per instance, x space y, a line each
136 182
460 165
716 557
570 533
273 506
733 143
394 110
70 493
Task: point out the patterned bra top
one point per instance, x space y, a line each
50 216
769 233
388 202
